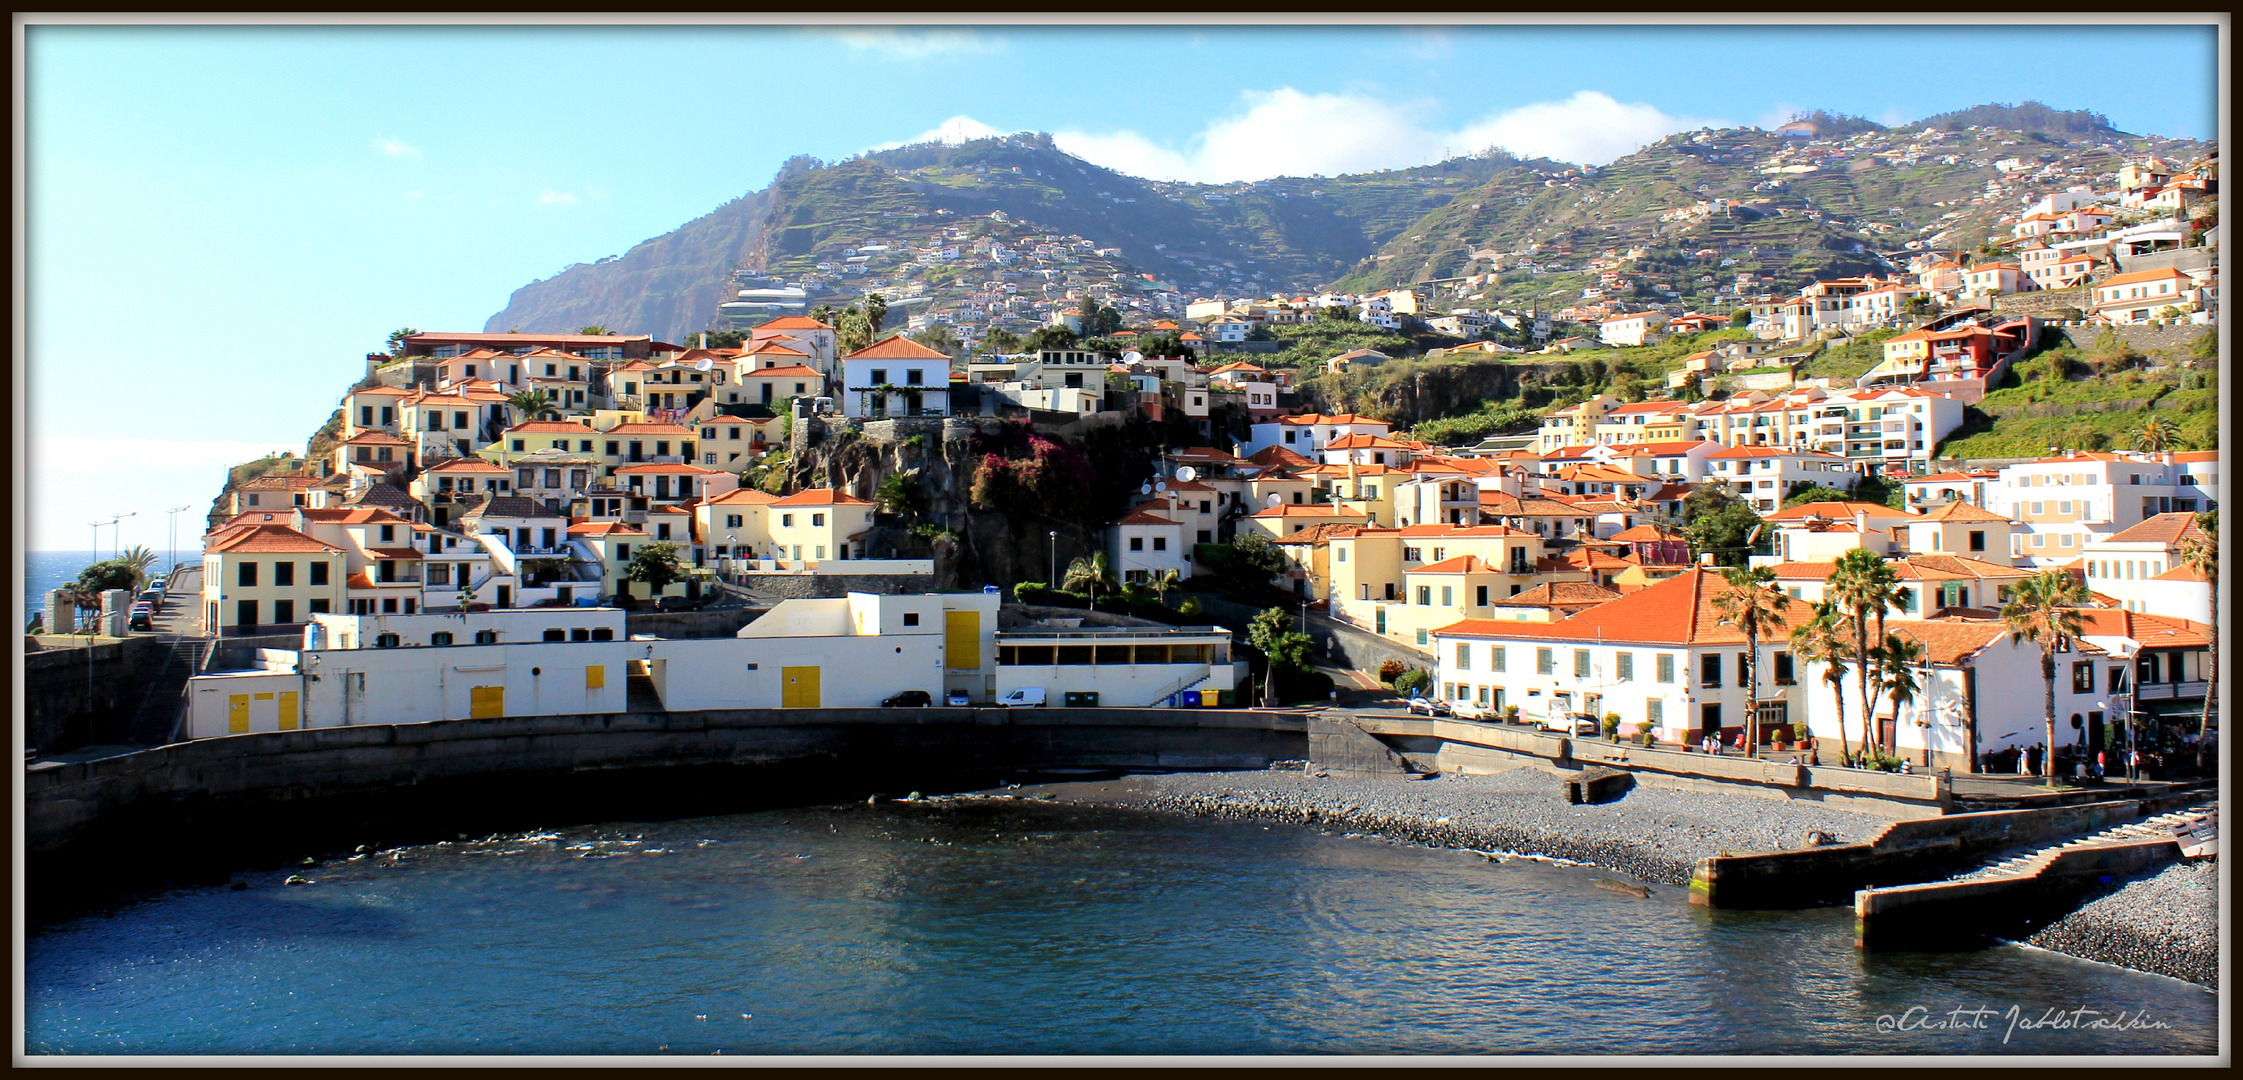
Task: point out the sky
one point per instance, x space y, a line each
227 219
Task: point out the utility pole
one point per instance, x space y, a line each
171 554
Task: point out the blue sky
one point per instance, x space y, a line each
230 218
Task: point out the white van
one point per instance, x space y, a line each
1027 697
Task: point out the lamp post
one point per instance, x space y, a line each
2124 705
1054 583
171 553
117 534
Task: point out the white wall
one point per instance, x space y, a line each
513 626
2009 704
410 685
1119 686
853 672
209 701
1680 700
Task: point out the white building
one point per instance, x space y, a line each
2066 502
1144 543
1764 475
916 380
1125 666
2141 568
1978 692
1307 434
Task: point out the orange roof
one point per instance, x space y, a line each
744 497
791 371
268 539
821 497
377 437
897 347
794 322
649 467
540 427
1331 510
1462 564
1833 511
604 528
2181 572
644 428
2149 631
1144 517
1677 611
1645 533
467 465
381 391
1560 594
1960 511
1333 418
2140 276
2166 529
1278 455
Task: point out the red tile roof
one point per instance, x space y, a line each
794 322
897 347
262 539
1144 517
1960 511
2167 529
1677 611
1833 511
821 497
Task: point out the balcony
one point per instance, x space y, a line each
2169 691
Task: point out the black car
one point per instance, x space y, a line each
909 699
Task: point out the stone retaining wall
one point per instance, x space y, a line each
2012 907
65 706
63 802
2143 338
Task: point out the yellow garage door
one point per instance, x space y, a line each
486 702
961 640
288 710
237 714
799 688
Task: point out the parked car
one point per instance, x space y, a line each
1431 707
153 597
1573 723
157 583
909 699
1027 697
1465 710
676 603
959 699
141 617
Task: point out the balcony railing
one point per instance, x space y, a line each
2168 691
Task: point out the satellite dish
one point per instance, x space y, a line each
1273 499
704 364
1146 489
1160 485
1133 357
1186 474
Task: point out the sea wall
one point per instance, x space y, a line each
71 699
63 803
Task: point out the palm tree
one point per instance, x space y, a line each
531 403
1900 655
594 329
2200 551
1754 606
1865 584
2044 609
1162 582
140 559
1822 638
2156 435
1089 571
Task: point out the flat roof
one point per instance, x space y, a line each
1094 632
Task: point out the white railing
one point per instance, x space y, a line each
741 567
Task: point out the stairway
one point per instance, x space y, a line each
2181 824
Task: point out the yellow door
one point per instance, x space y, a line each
595 676
961 640
486 702
288 710
799 688
237 714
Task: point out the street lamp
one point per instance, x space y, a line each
2126 708
1054 566
171 553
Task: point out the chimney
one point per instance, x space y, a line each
1705 559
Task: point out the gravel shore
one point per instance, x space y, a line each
1654 834
2166 922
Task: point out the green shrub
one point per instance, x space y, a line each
1190 608
1415 679
1510 714
1031 592
1612 725
1390 670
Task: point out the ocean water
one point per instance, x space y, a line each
1024 928
44 570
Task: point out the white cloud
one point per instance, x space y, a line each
1285 132
397 148
551 197
915 44
1778 115
953 131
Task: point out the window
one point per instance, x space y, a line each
911 618
385 641
1624 665
1709 670
284 611
441 637
1411 554
1784 675
1480 598
2083 678
817 520
486 637
1421 636
1425 596
1580 663
1545 661
1448 596
316 607
439 573
786 521
2037 507
1160 543
1978 540
389 533
1654 711
603 633
1136 543
246 577
1463 656
556 634
284 573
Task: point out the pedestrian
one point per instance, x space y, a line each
2099 764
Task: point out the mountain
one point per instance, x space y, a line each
1288 233
2031 117
1028 223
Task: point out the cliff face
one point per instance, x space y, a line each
1007 538
669 286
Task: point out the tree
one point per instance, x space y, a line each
1164 581
1252 560
1086 574
851 332
1899 657
2200 551
1822 639
1717 521
1755 608
1804 492
656 566
1000 342
1050 337
2044 609
901 494
396 342
2156 435
875 314
531 404
140 559
595 328
1335 313
939 337
726 338
1865 584
1099 320
1740 318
